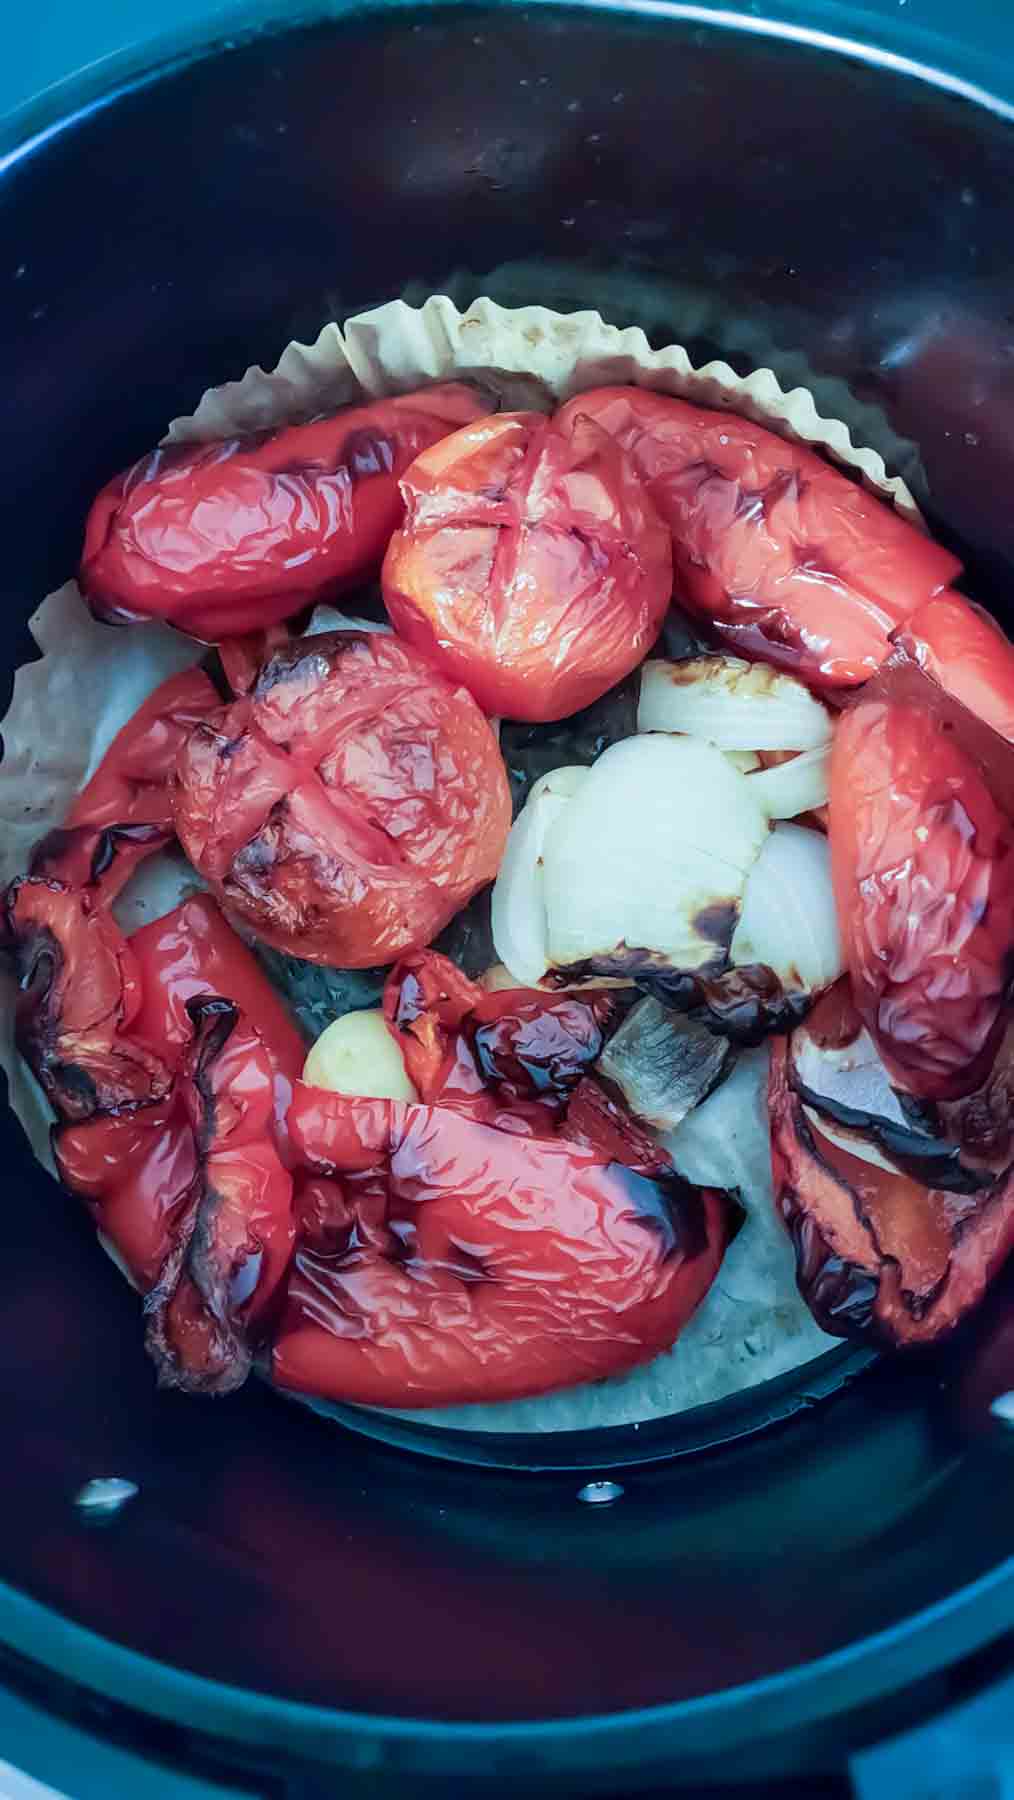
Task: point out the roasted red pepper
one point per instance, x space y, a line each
78 1000
922 851
517 1058
192 952
124 812
877 1252
967 653
233 1241
788 559
442 1260
531 565
226 538
350 806
171 1109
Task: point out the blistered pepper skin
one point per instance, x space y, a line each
531 566
786 558
442 1260
349 806
922 855
124 813
225 538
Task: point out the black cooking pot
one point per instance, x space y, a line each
776 1583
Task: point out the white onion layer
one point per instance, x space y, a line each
795 787
788 919
654 847
732 704
518 905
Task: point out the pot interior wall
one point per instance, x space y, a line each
756 200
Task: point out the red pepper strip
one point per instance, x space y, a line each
441 1260
518 1058
922 852
877 1253
235 1238
136 1172
193 952
79 994
124 812
788 559
136 1169
967 653
227 538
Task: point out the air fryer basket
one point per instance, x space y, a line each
756 196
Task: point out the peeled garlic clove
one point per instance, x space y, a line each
357 1055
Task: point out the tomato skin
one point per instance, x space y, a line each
967 653
442 1260
531 565
226 538
922 853
878 1254
786 558
349 806
124 813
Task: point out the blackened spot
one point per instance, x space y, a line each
745 1005
668 1206
717 922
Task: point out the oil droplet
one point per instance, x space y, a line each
600 1493
1002 1408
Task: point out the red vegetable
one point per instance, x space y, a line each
124 812
79 995
531 566
877 1252
788 559
221 539
108 1027
442 1260
922 851
350 806
967 653
192 952
235 1238
518 1058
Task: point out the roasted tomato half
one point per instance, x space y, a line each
225 538
922 851
443 1260
349 806
785 557
878 1253
531 565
